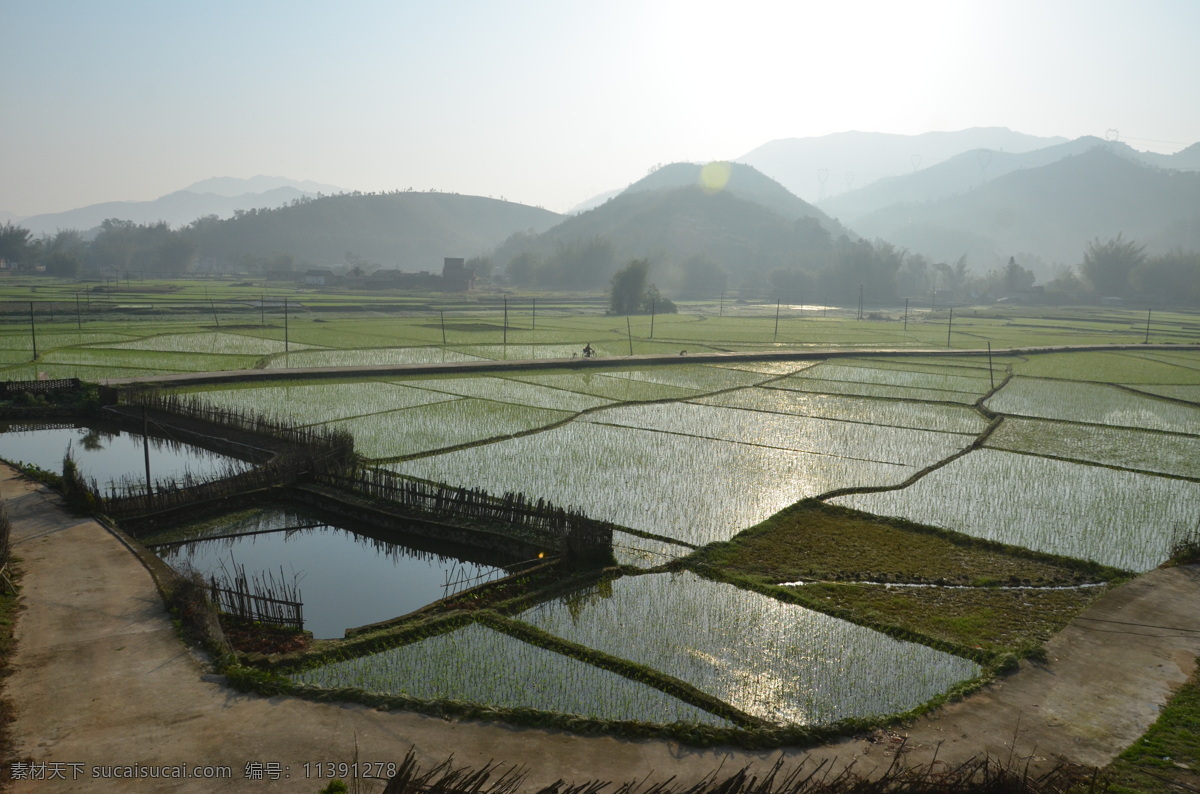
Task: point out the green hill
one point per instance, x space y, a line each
404 230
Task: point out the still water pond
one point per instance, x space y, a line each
346 578
106 454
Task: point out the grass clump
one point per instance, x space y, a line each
1167 757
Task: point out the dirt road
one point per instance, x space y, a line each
101 683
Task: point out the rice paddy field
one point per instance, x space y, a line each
1087 456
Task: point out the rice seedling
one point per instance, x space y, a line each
367 357
150 359
639 552
837 387
854 440
776 661
1093 403
768 367
36 370
511 391
604 385
305 404
691 489
1108 367
1186 393
857 372
895 413
440 425
696 377
211 343
1115 518
1160 453
480 665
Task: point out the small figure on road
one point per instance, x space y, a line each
589 352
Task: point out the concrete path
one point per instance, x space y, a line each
101 680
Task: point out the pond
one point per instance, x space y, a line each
346 577
107 454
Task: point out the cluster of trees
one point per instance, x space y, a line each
120 246
1120 268
631 295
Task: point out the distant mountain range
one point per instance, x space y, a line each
1043 215
821 167
970 170
220 196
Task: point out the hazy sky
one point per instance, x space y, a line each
550 102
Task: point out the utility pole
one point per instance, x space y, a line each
721 311
776 336
629 333
32 331
442 314
78 321
949 325
285 328
533 320
906 314
860 294
991 376
1147 340
652 318
505 338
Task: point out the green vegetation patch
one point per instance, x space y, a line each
1123 447
812 541
1167 757
993 619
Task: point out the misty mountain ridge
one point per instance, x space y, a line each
818 167
685 231
407 230
1046 215
177 209
740 180
231 187
970 170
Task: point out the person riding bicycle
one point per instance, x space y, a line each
589 351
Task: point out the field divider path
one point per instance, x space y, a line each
99 677
601 362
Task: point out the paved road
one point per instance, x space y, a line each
100 679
